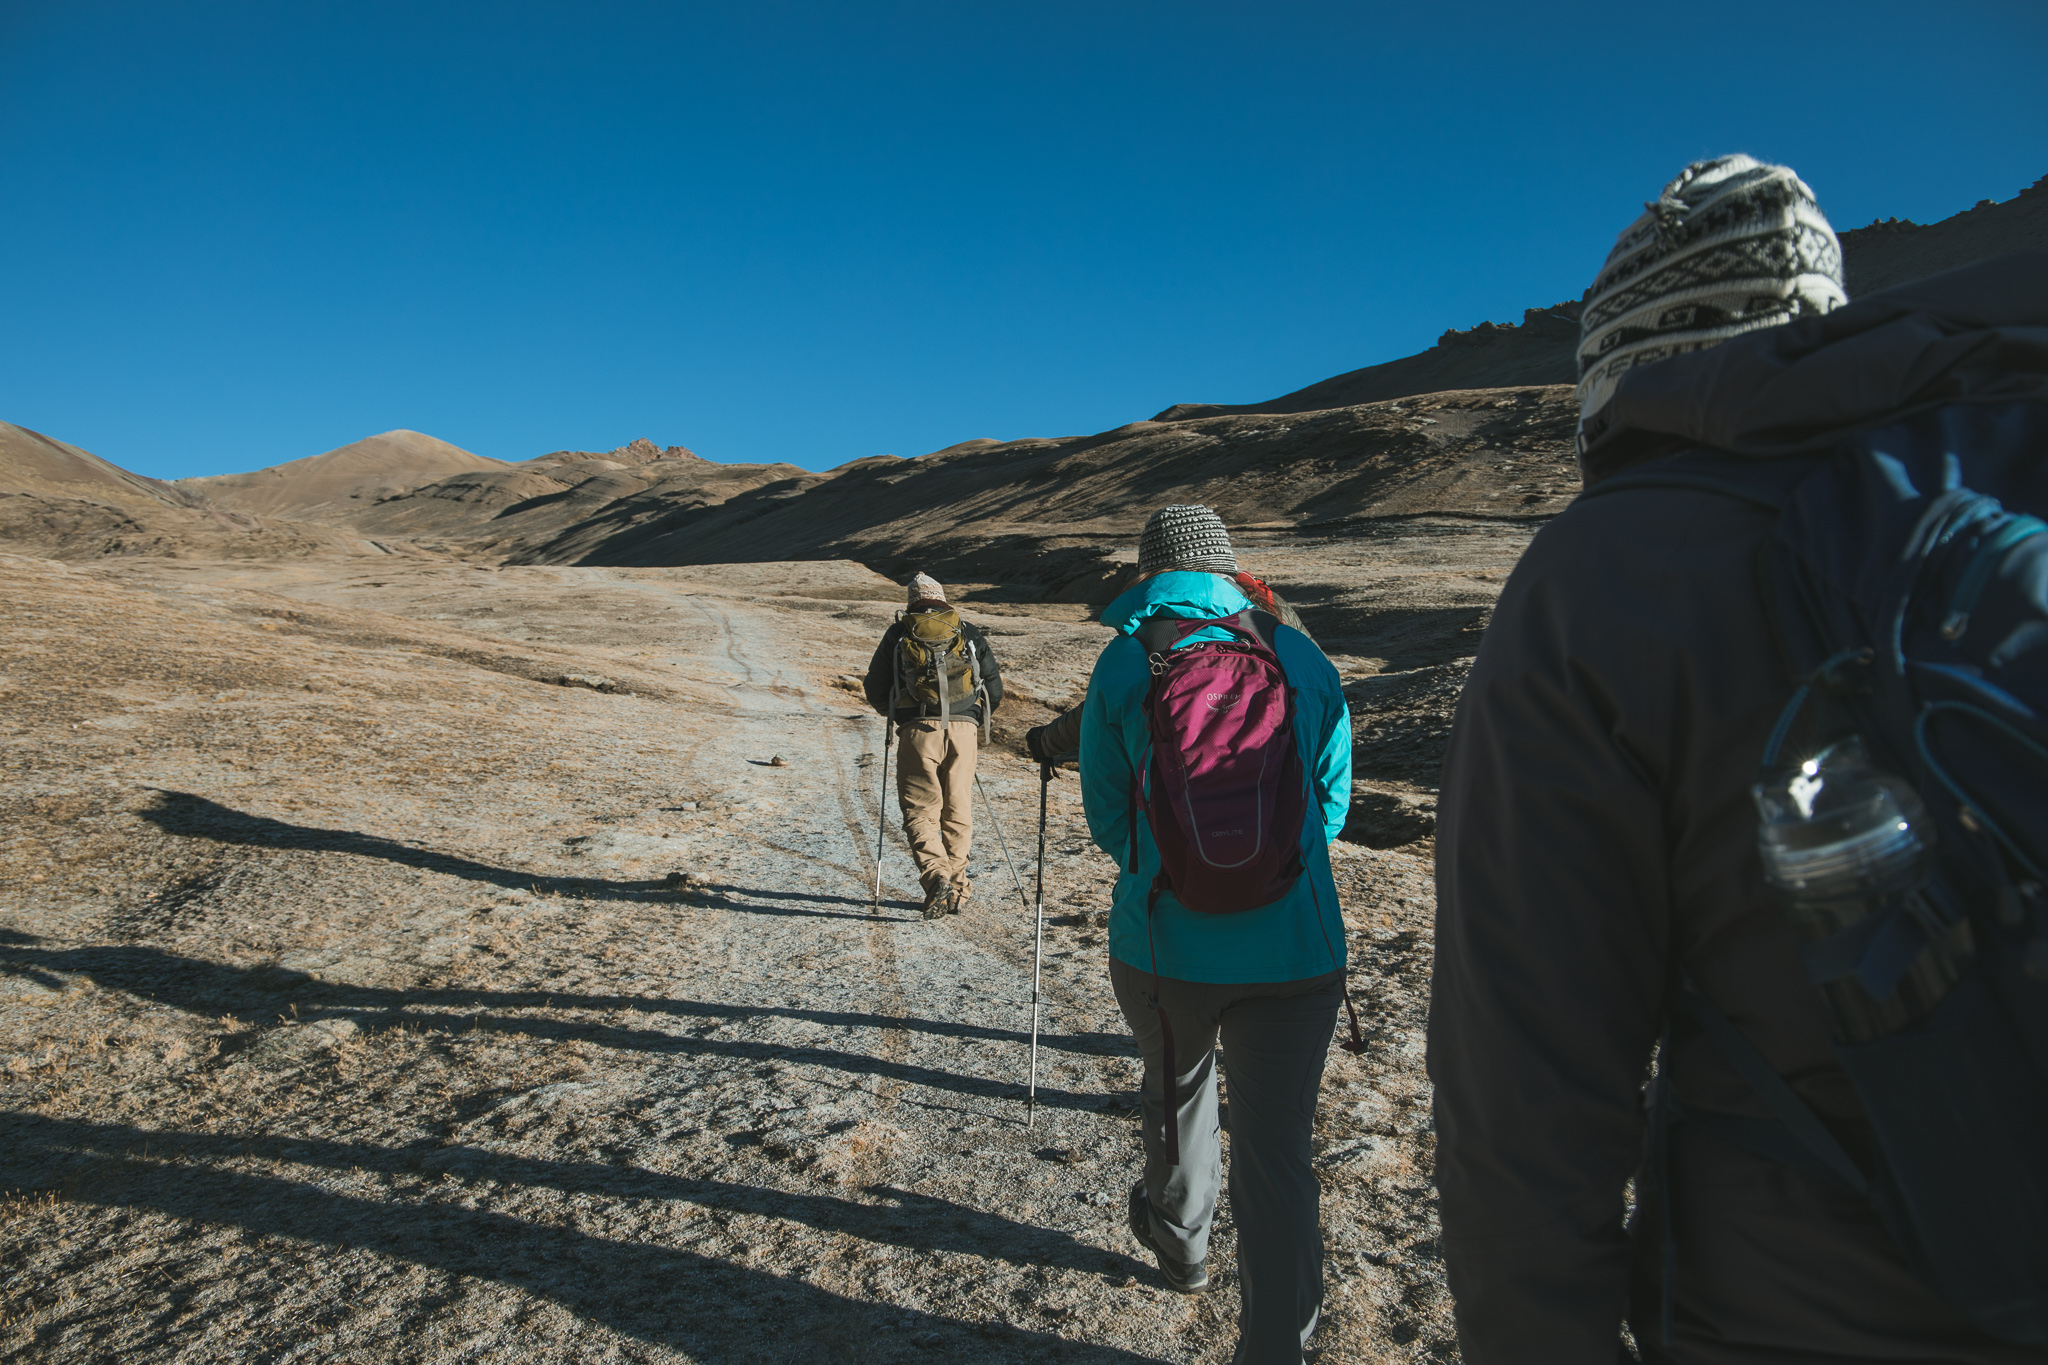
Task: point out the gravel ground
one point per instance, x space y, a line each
367 995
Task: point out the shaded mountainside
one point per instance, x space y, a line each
85 528
1491 355
1540 349
509 510
1896 251
1059 519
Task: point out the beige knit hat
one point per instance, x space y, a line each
925 588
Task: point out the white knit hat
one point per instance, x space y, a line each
925 588
1186 535
1731 246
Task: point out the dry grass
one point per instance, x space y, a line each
362 1022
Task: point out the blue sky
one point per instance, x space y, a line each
240 233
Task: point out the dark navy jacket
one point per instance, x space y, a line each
1596 838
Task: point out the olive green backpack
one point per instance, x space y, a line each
937 667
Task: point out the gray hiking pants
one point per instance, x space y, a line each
1275 1036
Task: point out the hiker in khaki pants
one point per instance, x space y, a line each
936 676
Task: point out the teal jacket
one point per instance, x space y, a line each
1299 936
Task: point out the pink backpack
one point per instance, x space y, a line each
1228 796
1228 791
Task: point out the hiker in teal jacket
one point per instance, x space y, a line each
1266 982
1283 941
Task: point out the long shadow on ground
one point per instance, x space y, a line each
195 817
653 1293
210 989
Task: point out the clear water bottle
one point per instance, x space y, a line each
1845 840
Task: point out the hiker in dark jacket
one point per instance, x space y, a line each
1597 839
1264 982
1059 740
935 761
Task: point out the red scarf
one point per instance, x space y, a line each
1261 595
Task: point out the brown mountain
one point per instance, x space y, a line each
1539 349
330 487
517 510
31 462
60 502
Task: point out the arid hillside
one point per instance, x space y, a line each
503 513
67 503
31 462
1059 519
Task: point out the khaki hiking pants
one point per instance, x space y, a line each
935 786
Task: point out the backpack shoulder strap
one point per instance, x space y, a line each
1265 626
1157 634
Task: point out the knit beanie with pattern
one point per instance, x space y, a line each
925 588
1185 536
1732 245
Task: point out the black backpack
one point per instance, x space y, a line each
1909 583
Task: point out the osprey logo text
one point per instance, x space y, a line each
1218 700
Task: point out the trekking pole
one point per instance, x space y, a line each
989 810
1038 944
882 811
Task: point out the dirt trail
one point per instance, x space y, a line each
349 1010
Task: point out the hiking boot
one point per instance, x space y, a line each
963 891
936 896
1182 1277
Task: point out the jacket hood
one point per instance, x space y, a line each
1176 593
1977 334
